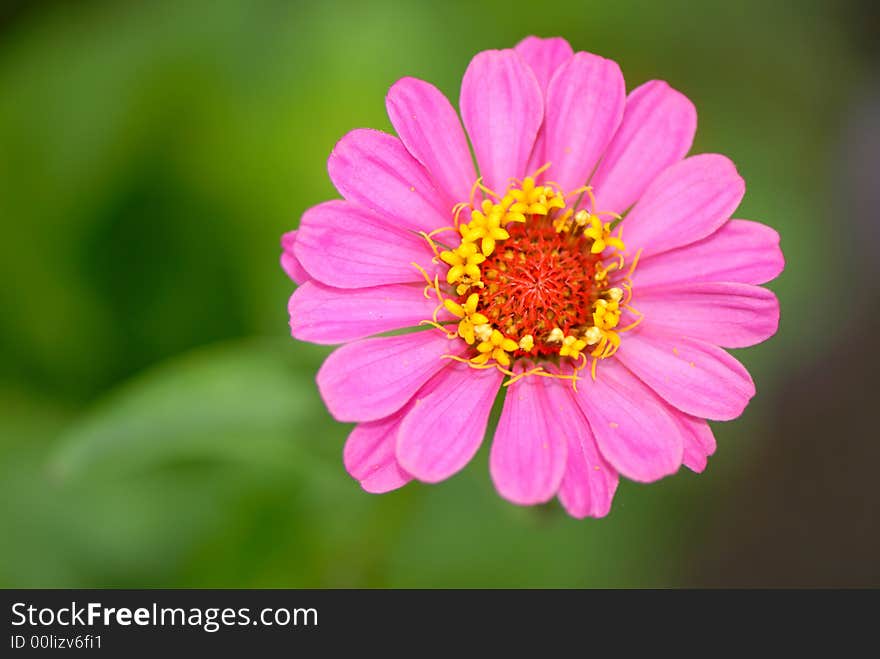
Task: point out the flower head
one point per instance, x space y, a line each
589 272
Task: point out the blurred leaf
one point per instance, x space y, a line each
240 401
138 528
220 459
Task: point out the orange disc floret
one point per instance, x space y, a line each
539 279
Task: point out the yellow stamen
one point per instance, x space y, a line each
586 341
571 347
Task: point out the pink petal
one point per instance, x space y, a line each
430 130
289 262
321 314
589 482
585 103
740 251
544 56
502 108
375 171
685 203
389 477
728 315
696 377
369 455
447 423
345 246
527 459
539 155
372 378
657 130
633 428
699 442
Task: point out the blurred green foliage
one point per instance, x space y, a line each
157 425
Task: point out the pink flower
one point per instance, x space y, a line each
606 336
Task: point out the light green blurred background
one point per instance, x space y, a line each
158 427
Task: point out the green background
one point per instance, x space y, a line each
158 426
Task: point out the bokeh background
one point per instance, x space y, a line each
158 427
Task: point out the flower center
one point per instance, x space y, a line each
528 277
538 280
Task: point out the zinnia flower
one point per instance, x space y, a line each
588 271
